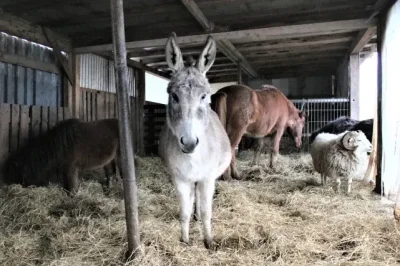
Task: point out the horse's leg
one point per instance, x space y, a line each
207 188
185 193
275 151
259 145
110 172
71 181
235 138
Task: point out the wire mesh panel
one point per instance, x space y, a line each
319 113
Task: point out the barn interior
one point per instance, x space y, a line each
57 62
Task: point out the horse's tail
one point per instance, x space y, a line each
218 104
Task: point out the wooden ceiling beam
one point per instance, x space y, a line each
363 37
21 28
311 50
251 35
224 45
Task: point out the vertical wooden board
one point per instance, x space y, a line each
95 105
85 110
60 114
112 105
4 136
24 125
35 120
100 105
89 106
44 125
81 106
52 117
14 127
108 97
67 113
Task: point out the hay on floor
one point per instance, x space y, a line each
273 217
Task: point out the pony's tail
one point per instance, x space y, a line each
218 104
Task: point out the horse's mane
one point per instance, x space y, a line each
45 151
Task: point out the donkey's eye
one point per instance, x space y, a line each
175 97
203 96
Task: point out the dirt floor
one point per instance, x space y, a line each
273 217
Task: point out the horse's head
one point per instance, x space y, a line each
189 92
296 125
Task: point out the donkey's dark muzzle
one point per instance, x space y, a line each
189 146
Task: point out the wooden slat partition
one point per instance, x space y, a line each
19 123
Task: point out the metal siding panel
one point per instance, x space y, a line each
3 78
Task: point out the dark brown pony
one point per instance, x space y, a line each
256 113
70 146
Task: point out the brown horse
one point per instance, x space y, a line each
69 146
256 113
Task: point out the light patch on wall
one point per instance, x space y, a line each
368 86
156 88
217 86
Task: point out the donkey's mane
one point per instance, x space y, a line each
46 150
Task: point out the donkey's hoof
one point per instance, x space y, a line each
196 218
208 244
185 242
226 177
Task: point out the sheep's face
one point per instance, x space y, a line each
295 128
356 140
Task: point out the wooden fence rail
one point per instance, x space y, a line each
19 123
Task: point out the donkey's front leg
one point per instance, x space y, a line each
185 192
206 189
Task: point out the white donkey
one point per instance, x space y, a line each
193 143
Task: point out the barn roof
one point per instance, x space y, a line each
277 38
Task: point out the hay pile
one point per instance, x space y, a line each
280 217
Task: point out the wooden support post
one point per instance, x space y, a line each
354 78
239 69
57 53
140 101
125 132
371 172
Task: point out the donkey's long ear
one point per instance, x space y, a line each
207 56
173 54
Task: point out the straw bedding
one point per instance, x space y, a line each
273 217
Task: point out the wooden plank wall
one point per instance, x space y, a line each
19 123
154 119
97 105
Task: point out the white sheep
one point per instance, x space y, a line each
341 156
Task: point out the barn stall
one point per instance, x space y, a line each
311 51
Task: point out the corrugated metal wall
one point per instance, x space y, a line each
390 104
98 73
21 85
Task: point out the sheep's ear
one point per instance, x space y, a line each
302 114
173 54
207 56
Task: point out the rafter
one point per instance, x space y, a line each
252 35
223 45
